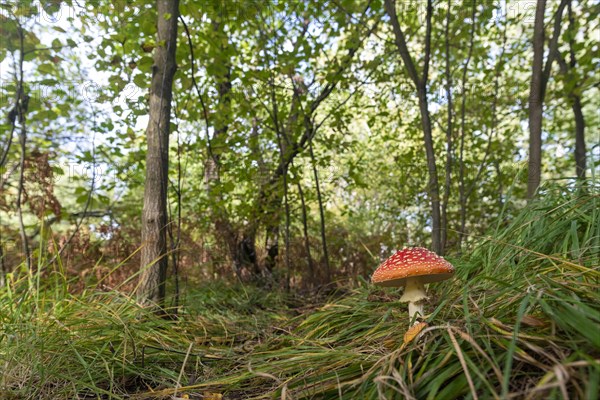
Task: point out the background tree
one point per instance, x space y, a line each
154 260
573 87
420 82
539 80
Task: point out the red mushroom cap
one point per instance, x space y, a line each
409 263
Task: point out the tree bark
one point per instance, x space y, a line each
154 261
580 153
539 80
450 111
321 215
536 102
420 83
463 109
311 265
575 100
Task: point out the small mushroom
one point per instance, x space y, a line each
411 268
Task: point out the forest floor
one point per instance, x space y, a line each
521 319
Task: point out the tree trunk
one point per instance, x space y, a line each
240 245
328 276
244 255
154 261
433 188
450 111
536 102
580 156
311 265
575 100
539 79
463 108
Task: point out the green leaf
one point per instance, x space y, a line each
141 81
48 82
82 199
145 63
46 68
103 199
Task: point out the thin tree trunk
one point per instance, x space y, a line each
19 112
463 109
311 265
539 79
240 245
154 259
321 215
447 182
492 129
175 238
288 271
500 184
272 205
580 153
421 87
535 102
3 268
575 100
23 142
282 141
271 244
433 186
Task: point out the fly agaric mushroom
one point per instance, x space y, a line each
412 267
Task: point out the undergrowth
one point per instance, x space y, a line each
57 345
521 319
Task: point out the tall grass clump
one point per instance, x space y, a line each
520 320
55 344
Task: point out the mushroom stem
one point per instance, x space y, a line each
415 308
414 293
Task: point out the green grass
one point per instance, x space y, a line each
520 320
55 345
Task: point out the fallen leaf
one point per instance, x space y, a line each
414 332
532 321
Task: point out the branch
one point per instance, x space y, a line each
79 214
195 83
390 7
343 102
553 46
309 131
427 43
45 49
21 110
